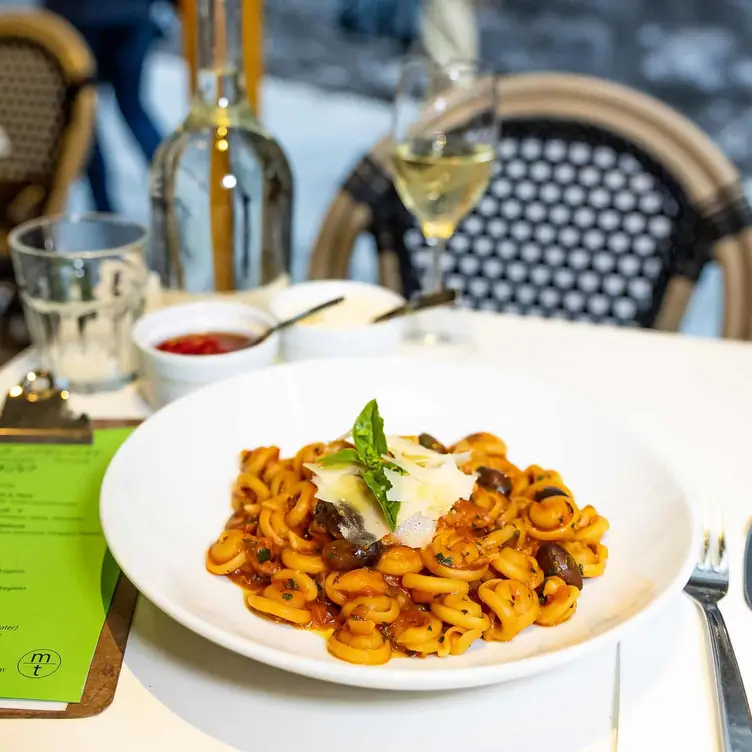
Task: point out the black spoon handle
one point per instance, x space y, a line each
299 317
306 314
418 304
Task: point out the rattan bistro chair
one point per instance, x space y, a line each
47 103
604 205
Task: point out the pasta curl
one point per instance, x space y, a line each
516 565
590 557
367 647
559 602
514 606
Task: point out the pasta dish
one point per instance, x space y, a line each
399 545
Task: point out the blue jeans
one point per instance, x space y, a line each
120 52
398 19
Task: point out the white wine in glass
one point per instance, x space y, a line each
440 185
444 146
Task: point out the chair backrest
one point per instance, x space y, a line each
47 109
604 205
46 113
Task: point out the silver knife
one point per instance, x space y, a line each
748 568
616 701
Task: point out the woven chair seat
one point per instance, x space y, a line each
576 223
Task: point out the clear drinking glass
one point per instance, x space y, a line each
445 129
82 281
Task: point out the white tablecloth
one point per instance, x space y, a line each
693 398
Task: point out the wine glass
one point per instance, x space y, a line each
444 133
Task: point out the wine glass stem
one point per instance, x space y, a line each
434 275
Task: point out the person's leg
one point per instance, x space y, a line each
406 23
96 170
349 16
97 175
126 73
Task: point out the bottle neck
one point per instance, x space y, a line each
221 73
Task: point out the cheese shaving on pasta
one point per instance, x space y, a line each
429 485
340 485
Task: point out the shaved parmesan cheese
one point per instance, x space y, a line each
428 486
429 489
341 485
412 451
326 475
462 458
417 532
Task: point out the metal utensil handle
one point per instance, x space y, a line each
398 311
309 312
299 317
748 569
733 708
418 304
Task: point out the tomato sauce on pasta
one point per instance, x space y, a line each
515 554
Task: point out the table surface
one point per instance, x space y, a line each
692 398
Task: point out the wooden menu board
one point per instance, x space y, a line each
104 672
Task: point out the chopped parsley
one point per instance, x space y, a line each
561 519
429 628
291 584
581 570
441 639
287 596
542 599
447 561
263 554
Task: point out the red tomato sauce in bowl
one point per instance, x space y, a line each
206 343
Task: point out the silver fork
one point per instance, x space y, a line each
707 585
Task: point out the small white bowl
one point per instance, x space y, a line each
167 376
328 340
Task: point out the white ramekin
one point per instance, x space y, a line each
302 341
167 376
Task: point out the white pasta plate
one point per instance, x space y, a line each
166 496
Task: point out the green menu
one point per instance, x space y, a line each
56 575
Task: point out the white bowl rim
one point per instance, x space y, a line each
369 288
354 283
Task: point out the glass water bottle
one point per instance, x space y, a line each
221 186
